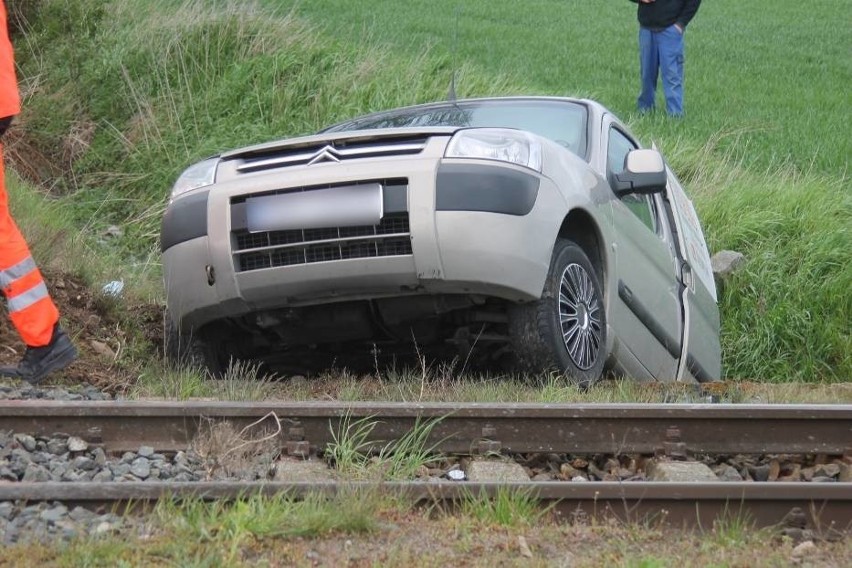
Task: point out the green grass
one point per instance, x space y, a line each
365 529
123 95
201 533
777 79
506 508
354 456
241 381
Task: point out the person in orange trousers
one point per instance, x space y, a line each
31 310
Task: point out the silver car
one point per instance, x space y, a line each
532 231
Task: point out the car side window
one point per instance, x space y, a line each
641 205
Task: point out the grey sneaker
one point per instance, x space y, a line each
38 362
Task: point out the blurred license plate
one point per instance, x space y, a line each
347 206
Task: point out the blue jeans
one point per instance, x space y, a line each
661 52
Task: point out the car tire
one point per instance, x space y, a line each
190 350
567 335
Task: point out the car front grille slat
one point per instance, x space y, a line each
337 151
255 251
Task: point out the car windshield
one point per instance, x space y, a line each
564 122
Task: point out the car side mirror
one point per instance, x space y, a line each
644 172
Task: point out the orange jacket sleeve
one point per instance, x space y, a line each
10 98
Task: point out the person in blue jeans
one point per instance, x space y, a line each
662 24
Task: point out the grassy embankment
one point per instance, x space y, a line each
121 96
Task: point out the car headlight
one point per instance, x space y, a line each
502 144
195 176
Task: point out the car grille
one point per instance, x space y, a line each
337 151
255 251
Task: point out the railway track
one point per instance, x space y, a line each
307 428
515 428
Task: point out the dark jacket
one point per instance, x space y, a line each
661 14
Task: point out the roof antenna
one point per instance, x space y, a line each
451 95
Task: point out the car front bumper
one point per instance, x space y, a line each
473 227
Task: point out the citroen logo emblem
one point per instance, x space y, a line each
326 154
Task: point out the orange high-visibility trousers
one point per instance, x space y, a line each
32 311
10 98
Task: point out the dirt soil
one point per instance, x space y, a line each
99 333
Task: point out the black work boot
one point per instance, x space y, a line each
38 362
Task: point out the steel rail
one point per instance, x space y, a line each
460 428
825 505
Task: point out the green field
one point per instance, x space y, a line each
120 96
772 83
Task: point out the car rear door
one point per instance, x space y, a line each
701 350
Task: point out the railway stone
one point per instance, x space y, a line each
41 458
7 474
845 474
35 473
568 471
804 549
67 529
103 475
57 446
57 470
794 473
77 392
479 470
679 471
827 470
822 479
102 528
99 455
54 514
760 472
120 469
295 471
76 444
80 514
27 441
84 463
146 451
72 476
726 472
141 468
6 509
19 466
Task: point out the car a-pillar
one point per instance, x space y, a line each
566 329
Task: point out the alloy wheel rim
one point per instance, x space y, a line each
580 316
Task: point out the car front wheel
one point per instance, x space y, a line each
565 329
190 350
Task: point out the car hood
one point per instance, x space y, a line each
360 136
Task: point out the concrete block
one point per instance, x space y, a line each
300 471
679 471
480 471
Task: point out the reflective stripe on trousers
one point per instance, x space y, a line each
31 310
